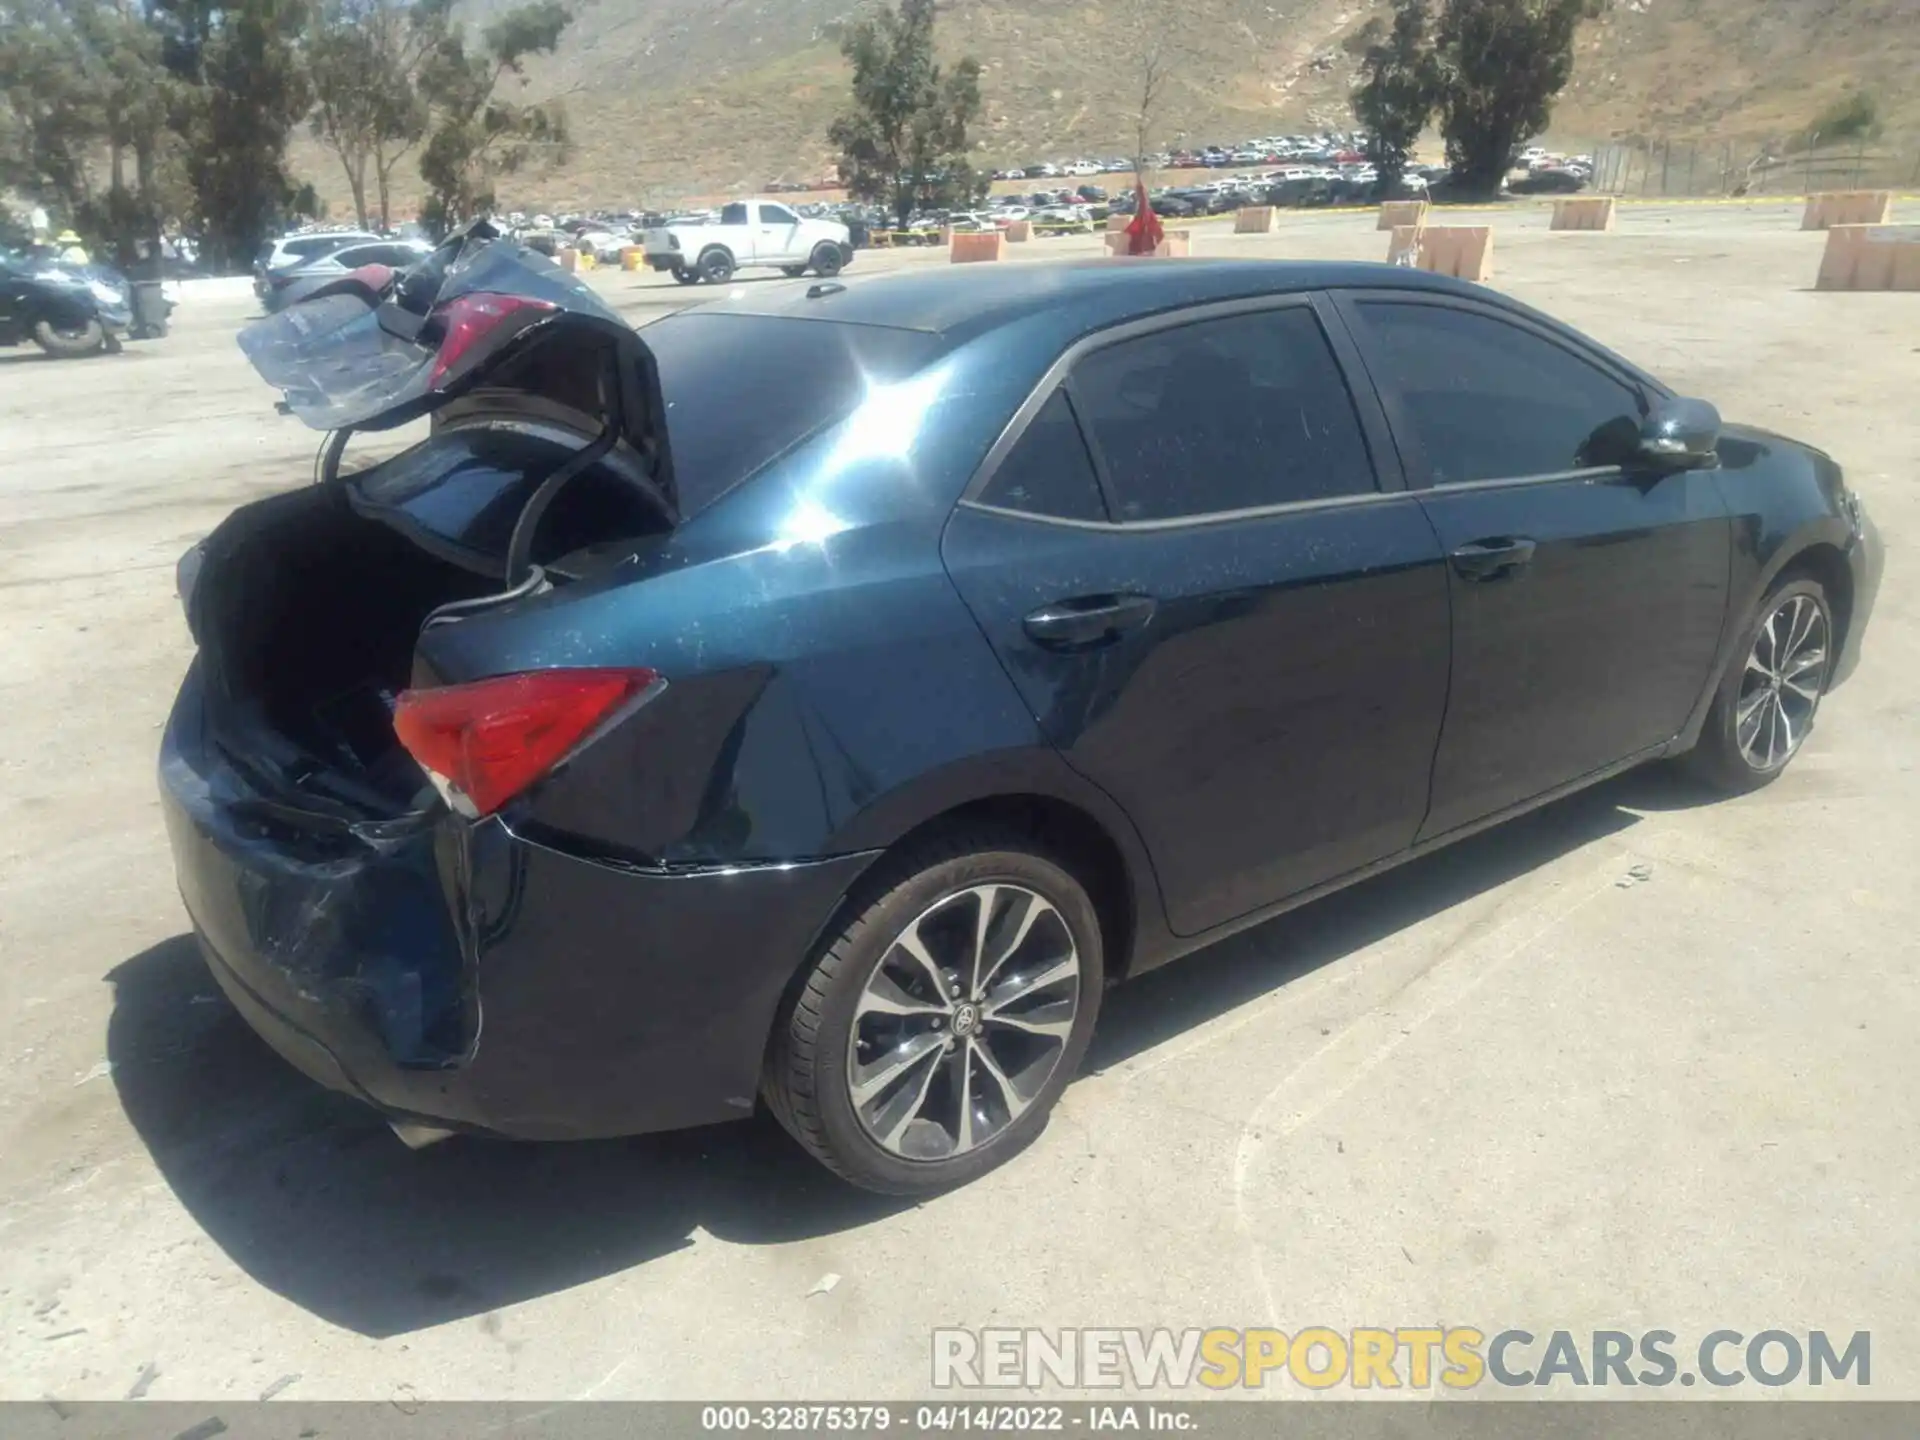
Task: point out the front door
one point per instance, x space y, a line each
1213 609
1587 594
777 235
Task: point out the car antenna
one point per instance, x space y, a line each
820 292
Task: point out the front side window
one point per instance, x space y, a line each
1489 400
776 215
1239 413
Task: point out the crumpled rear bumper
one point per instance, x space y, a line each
470 977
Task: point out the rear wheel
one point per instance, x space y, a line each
793 272
686 276
716 265
934 1032
70 341
1765 706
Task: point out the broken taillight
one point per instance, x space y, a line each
469 319
484 742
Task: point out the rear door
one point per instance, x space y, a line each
1588 594
1216 608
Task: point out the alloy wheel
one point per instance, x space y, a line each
963 1021
1781 687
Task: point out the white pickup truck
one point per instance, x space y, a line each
750 232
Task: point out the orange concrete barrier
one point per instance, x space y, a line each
1404 246
632 257
569 259
1018 232
1871 257
1847 207
1118 222
1254 220
1395 213
1463 251
971 247
1586 212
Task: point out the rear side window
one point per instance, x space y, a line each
1488 400
733 215
1233 414
1048 471
742 390
307 249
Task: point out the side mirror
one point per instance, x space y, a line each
1681 434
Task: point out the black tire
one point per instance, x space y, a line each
809 1076
716 265
686 276
68 344
827 260
1720 759
793 272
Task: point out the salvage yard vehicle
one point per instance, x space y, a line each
288 286
750 232
67 310
823 696
290 252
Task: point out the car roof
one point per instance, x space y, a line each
974 299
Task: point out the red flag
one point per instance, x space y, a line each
1143 233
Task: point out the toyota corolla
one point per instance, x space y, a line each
819 697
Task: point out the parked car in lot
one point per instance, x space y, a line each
826 695
749 232
1550 180
291 252
284 287
66 310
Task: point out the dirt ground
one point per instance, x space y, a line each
1635 1061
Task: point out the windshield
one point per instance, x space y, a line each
343 361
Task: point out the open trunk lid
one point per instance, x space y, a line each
480 325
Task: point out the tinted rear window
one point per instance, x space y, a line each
742 390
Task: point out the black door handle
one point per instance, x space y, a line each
1491 559
1090 620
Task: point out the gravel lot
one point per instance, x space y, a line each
1509 1085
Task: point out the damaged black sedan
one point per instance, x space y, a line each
819 697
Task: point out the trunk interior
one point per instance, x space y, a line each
306 615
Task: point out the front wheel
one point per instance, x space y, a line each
1764 709
793 272
70 341
933 1034
827 260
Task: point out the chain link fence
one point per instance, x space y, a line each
1679 168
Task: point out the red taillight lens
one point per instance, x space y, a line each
485 742
469 319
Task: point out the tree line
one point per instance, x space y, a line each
134 118
1487 70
